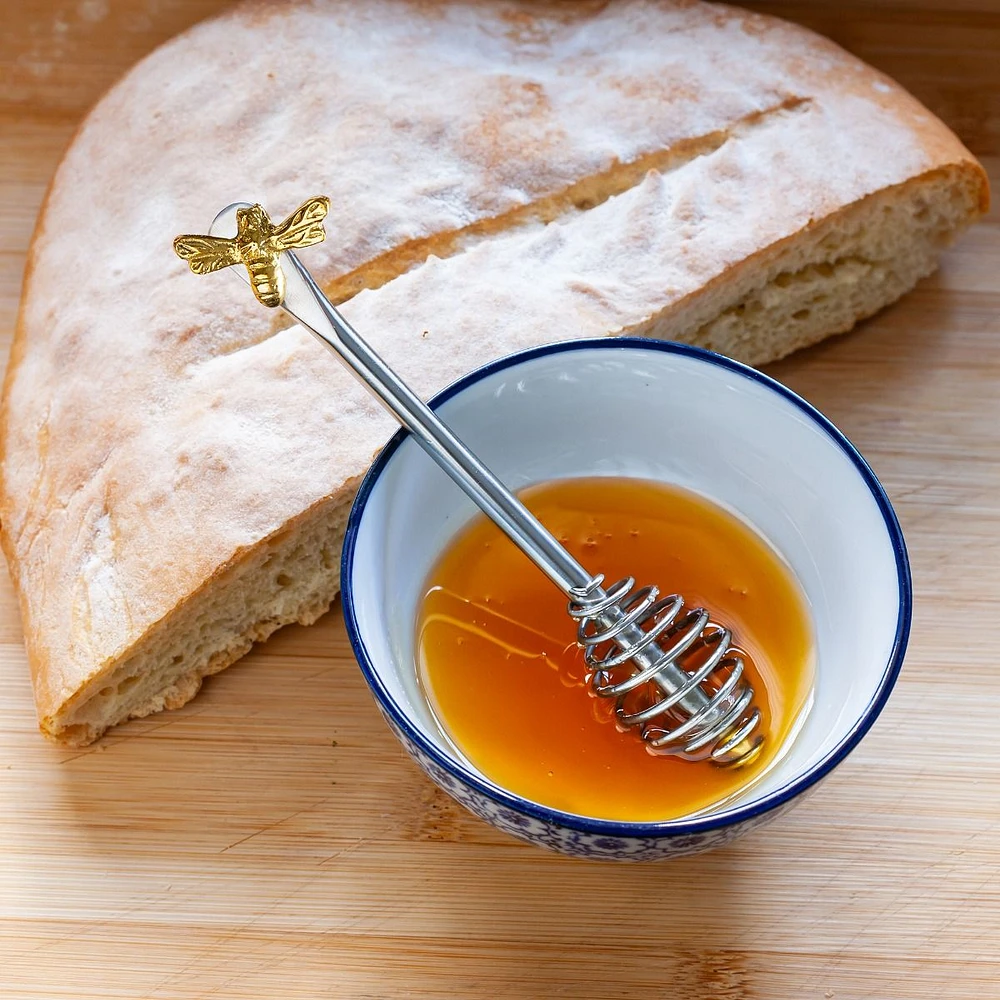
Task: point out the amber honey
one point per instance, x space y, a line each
507 682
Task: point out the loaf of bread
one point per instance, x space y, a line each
178 464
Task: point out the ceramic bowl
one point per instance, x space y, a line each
659 411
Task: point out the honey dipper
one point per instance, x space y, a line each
674 674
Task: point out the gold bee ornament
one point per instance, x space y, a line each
257 245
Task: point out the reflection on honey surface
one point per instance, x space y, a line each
507 682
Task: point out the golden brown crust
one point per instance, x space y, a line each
585 169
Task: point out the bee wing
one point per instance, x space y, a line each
205 254
303 227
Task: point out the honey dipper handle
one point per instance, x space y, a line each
715 722
306 302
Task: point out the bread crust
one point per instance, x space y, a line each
488 134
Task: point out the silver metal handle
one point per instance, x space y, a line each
305 301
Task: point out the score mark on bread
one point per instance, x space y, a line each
506 175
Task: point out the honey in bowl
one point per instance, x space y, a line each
507 682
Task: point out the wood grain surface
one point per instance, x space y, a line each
272 839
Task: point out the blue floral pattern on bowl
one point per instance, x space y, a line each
561 837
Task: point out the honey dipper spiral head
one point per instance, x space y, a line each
675 676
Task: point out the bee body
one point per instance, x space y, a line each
268 282
266 277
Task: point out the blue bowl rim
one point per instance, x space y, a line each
620 828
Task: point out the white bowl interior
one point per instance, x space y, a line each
664 416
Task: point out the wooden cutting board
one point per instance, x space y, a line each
272 840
